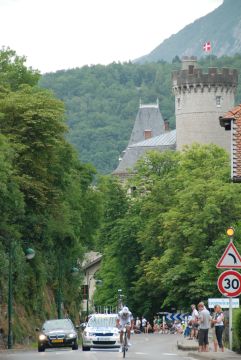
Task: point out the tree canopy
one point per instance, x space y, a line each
47 195
172 233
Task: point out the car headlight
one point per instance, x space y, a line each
71 336
42 337
86 333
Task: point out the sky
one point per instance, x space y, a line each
65 34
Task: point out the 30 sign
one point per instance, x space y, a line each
229 283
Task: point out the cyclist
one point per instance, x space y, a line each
125 318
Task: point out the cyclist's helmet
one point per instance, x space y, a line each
125 310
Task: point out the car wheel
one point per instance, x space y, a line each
41 348
85 348
75 346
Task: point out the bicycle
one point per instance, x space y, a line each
124 342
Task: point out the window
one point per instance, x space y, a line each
218 100
178 103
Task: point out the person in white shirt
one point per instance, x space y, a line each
125 318
194 322
218 322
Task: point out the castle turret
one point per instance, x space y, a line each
149 123
200 99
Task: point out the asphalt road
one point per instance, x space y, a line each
144 347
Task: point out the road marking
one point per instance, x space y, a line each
169 354
140 353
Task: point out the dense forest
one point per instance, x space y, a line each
102 102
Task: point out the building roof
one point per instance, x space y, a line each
134 152
149 118
90 259
166 139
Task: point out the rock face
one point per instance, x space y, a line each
222 27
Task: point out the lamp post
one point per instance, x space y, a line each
120 299
29 254
74 271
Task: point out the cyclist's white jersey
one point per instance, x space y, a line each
125 318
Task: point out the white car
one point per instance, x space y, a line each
101 332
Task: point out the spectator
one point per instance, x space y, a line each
155 325
204 320
148 328
194 322
188 327
138 326
219 325
143 323
213 332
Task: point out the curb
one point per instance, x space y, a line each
214 356
187 347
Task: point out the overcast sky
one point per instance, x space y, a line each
63 34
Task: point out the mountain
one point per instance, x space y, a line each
222 27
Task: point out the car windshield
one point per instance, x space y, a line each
102 321
57 324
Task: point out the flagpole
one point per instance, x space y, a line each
208 48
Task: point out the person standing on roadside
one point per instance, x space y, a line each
143 323
213 332
218 322
204 322
194 322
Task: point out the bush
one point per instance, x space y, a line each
237 330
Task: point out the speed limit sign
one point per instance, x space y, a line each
229 283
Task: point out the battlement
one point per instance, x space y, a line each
196 77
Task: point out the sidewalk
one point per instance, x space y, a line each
192 347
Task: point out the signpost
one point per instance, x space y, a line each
229 282
176 316
230 258
223 302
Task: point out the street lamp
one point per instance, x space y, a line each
120 299
74 272
29 254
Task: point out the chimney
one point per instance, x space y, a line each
166 125
147 134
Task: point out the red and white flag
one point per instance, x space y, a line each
207 46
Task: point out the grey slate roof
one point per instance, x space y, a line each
134 152
148 118
166 139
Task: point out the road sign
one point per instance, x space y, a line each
229 283
230 258
223 302
176 316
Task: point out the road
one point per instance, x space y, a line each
144 347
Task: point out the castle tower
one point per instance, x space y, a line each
200 99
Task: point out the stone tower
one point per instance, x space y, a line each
200 99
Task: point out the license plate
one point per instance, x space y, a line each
57 341
103 339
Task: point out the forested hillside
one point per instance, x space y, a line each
46 200
222 27
102 102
